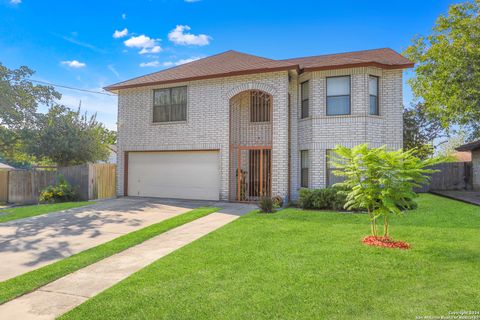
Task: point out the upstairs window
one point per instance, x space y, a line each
304 162
304 93
373 91
338 95
170 104
260 106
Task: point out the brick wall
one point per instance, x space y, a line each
476 169
207 125
320 132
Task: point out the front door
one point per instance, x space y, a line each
254 165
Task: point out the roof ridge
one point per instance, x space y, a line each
340 53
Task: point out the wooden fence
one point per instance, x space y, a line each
90 181
450 176
3 186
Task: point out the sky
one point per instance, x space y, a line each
91 44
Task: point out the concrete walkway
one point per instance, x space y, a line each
31 243
472 197
72 290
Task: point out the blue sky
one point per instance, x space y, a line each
72 42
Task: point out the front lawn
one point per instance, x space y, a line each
36 210
309 265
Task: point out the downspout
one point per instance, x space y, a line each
289 144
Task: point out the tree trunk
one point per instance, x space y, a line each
385 226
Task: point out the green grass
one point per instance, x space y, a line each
298 264
27 282
36 210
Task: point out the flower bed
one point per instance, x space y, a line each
385 242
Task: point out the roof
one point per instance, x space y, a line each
232 63
469 146
4 166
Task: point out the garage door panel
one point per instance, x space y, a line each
186 175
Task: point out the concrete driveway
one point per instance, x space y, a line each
31 243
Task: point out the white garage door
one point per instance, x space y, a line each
182 175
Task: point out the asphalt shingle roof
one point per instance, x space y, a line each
231 63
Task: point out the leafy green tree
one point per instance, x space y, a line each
447 72
447 149
380 181
19 101
69 137
421 132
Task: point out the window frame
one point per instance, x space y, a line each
302 99
259 115
349 96
378 95
170 90
302 172
329 168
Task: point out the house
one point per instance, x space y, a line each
474 149
6 167
235 126
112 154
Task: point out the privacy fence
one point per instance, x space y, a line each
450 176
91 181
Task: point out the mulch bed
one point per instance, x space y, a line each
385 242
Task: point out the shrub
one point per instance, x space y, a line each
277 202
266 204
328 198
62 191
381 181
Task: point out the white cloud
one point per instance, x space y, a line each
145 43
124 16
154 49
155 63
74 64
180 36
168 64
15 1
183 61
120 34
141 41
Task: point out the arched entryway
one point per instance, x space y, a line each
250 145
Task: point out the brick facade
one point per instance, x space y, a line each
207 124
476 169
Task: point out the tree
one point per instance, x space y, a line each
69 137
447 149
447 72
421 132
380 181
19 101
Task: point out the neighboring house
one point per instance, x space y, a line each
112 156
4 166
462 156
234 126
474 149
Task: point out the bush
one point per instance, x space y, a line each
62 191
277 202
328 198
266 204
